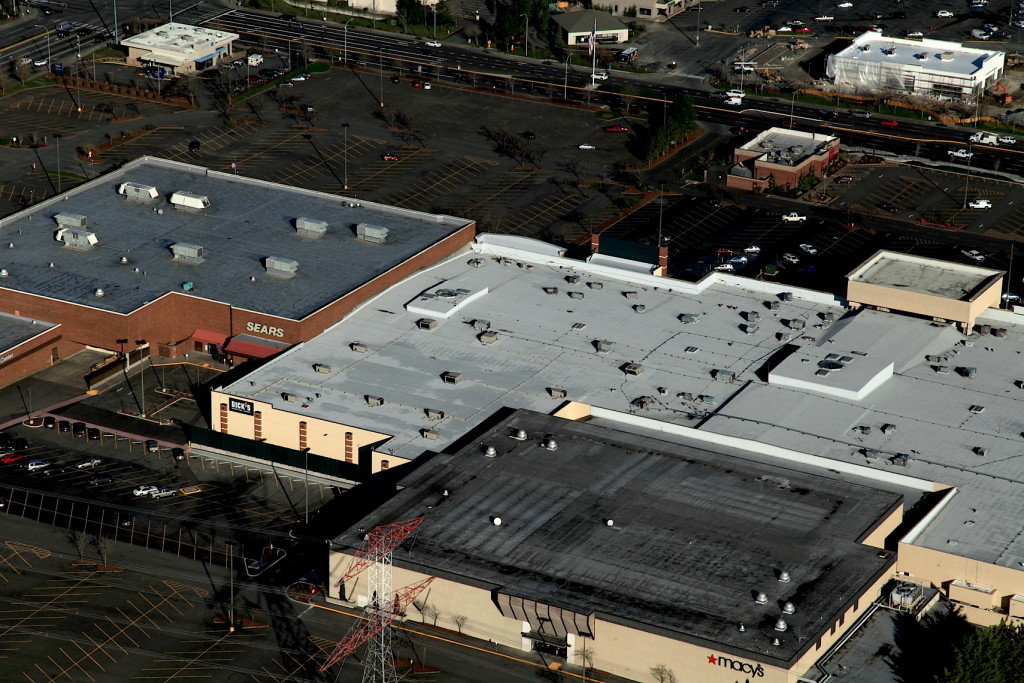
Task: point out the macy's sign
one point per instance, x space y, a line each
755 670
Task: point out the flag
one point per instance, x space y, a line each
592 40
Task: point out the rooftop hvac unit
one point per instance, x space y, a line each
786 296
687 318
630 295
433 414
76 238
551 291
725 375
291 398
604 346
309 227
557 393
426 323
488 337
750 328
575 295
998 331
572 279
753 316
282 267
185 252
774 305
451 377
70 220
797 324
481 325
640 308
322 368
828 317
947 56
374 400
367 232
476 262
359 347
632 368
595 285
429 434
137 192
518 434
983 329
970 373
190 201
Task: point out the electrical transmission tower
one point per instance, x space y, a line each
384 604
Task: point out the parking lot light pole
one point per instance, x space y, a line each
142 374
78 76
231 578
699 8
344 127
433 8
305 452
792 107
47 34
382 77
967 185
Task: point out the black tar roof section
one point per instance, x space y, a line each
696 534
15 330
247 221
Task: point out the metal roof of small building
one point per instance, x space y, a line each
178 38
927 54
247 221
694 535
583 21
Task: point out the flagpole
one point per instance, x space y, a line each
593 53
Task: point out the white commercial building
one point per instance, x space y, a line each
180 48
929 68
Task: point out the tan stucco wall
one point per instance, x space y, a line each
573 410
925 304
939 569
876 537
281 428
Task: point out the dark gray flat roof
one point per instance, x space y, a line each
695 534
247 221
16 330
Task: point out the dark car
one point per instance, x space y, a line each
844 179
50 471
899 14
84 31
396 79
78 429
829 115
19 444
528 135
61 33
886 206
94 434
126 519
50 422
152 446
6 440
741 9
64 426
287 17
194 146
178 453
99 479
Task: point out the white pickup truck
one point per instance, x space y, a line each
793 217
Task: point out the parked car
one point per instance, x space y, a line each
915 34
87 463
739 260
1010 297
50 422
299 78
944 14
617 128
178 453
860 114
35 465
163 492
39 62
734 101
980 204
306 107
844 5
586 145
144 489
790 258
793 217
52 470
99 479
845 179
78 430
93 433
12 458
724 267
528 135
152 446
19 444
752 249
887 207
809 249
973 254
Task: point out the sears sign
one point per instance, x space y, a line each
237 405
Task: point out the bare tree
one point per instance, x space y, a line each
586 658
22 71
432 613
80 541
5 81
104 545
460 621
663 674
629 95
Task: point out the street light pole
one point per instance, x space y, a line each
526 35
306 452
142 375
344 127
58 136
433 8
78 76
565 86
382 77
231 578
792 107
46 32
699 8
346 40
967 185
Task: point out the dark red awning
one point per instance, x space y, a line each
244 348
210 337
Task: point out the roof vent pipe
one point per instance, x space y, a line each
496 521
99 292
3 272
781 624
609 522
783 576
490 451
762 598
788 607
742 628
551 445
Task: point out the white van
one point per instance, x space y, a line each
736 101
34 465
985 139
